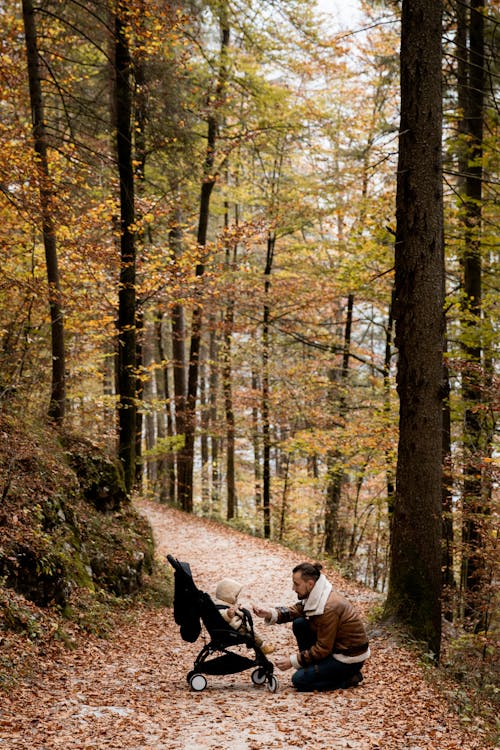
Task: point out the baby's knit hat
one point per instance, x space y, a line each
228 590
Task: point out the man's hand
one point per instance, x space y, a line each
265 613
283 663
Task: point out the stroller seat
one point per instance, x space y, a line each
194 608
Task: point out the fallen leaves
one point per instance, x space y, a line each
130 692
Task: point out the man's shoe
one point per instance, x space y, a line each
353 681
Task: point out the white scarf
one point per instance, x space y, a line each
316 601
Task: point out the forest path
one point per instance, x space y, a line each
130 692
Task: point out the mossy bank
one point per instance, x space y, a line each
72 546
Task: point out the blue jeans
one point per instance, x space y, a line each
327 674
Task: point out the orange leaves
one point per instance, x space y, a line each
130 690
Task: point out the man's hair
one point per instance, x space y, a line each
308 570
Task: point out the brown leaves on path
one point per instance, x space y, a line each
130 692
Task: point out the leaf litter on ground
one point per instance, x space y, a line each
129 692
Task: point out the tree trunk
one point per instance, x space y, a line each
447 501
58 384
127 291
205 426
389 472
265 408
139 394
257 461
336 459
140 173
179 366
473 505
166 466
149 395
185 474
415 577
230 262
215 441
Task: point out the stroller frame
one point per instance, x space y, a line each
215 658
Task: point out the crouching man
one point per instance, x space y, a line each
331 637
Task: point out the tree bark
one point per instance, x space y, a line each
336 459
179 365
215 441
127 291
415 577
389 472
57 402
185 474
227 377
166 466
473 505
257 460
265 407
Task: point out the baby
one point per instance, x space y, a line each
228 591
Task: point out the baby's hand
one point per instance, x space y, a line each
231 611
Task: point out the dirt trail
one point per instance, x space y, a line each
130 692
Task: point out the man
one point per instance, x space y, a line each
331 638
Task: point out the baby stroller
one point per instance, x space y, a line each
193 607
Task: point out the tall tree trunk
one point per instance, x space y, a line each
185 474
230 262
215 442
336 459
179 365
58 384
285 470
127 292
415 577
447 500
139 393
166 466
205 426
257 459
232 501
473 505
140 173
265 407
389 472
149 395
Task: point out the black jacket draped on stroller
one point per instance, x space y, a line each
192 608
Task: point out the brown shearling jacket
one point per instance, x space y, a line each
338 630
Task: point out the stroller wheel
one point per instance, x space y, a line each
198 682
258 676
189 675
272 683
